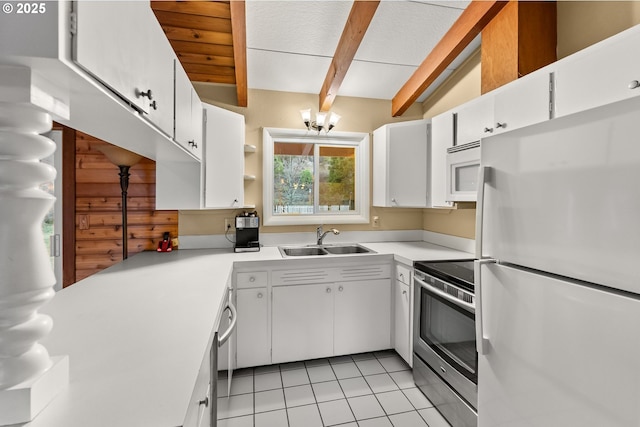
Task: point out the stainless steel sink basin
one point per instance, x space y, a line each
347 249
315 250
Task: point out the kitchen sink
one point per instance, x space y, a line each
315 250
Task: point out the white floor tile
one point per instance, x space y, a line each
246 421
408 419
321 373
370 367
404 379
299 396
304 416
394 364
327 391
433 418
269 381
394 402
375 422
363 356
381 383
340 359
235 406
417 399
335 412
349 425
353 387
364 407
269 400
295 377
272 419
240 385
346 370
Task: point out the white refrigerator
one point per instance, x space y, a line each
558 273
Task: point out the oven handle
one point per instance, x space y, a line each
444 295
482 341
483 178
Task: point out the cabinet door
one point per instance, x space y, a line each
302 322
253 340
401 164
224 158
523 102
441 139
184 123
362 316
197 126
601 74
112 43
402 330
474 120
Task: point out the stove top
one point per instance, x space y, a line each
458 272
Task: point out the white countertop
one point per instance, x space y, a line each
136 332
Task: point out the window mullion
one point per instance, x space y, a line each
316 178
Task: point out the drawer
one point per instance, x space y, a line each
253 279
403 274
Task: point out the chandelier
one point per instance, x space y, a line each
320 123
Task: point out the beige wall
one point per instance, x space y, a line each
580 24
282 110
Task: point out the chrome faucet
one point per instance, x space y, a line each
321 235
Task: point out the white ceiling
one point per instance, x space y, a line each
290 44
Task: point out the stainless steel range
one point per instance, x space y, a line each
445 360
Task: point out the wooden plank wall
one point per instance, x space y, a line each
98 209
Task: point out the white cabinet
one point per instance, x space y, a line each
606 72
253 343
302 322
403 319
122 45
199 410
188 118
473 120
401 164
224 158
362 316
441 139
523 102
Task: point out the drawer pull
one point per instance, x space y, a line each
634 84
260 295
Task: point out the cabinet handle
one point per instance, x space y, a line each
252 279
501 125
235 202
402 277
260 295
204 401
488 130
192 143
328 290
154 105
634 84
404 292
142 94
341 289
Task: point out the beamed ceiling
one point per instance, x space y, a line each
361 48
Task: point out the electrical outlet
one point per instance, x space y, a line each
229 223
376 221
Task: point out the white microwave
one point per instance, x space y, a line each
463 164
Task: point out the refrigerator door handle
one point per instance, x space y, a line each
482 342
482 180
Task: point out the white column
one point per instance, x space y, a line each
29 377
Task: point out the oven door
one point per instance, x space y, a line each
445 337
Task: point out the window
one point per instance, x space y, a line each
315 179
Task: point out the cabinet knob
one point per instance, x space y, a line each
260 295
154 105
634 84
501 125
341 288
142 94
328 290
488 130
204 401
401 276
404 292
252 279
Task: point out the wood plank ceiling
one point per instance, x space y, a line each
209 39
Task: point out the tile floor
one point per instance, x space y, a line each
361 390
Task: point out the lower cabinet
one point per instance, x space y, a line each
403 313
362 316
302 325
253 344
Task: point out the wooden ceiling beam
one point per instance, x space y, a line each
197 22
202 36
359 19
239 33
470 23
205 8
201 48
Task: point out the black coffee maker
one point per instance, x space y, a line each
247 234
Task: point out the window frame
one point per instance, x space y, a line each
358 140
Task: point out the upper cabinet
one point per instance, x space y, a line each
523 102
122 45
473 120
188 114
224 158
441 140
600 74
401 164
